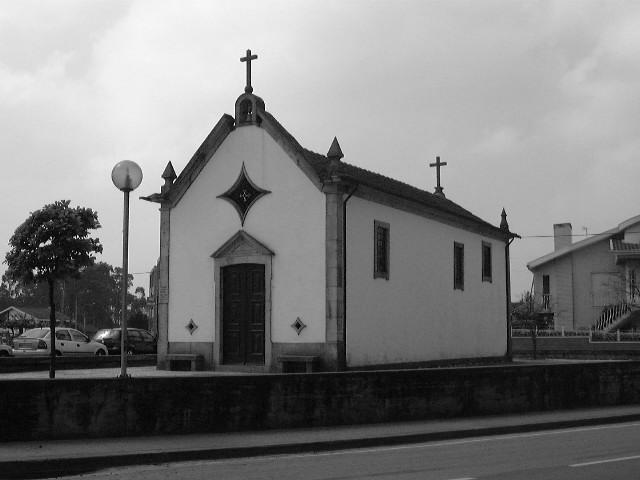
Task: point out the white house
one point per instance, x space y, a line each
592 283
269 250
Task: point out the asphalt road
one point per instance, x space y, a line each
607 452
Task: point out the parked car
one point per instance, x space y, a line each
138 340
69 341
5 350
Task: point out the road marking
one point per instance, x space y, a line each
447 443
356 450
351 451
609 460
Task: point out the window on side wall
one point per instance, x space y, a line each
458 266
486 262
381 250
546 292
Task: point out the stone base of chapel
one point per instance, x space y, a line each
325 359
441 363
323 352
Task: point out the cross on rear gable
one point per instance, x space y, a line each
438 164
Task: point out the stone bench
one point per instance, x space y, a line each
194 359
307 361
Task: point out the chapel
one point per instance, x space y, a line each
276 258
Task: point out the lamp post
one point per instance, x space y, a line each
126 176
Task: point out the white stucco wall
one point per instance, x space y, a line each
632 232
416 315
290 221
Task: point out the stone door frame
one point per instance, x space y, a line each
240 249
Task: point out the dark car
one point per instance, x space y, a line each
138 340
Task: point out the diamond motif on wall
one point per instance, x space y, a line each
298 325
243 194
191 326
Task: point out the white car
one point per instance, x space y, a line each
69 341
5 350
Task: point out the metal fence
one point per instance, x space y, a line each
593 335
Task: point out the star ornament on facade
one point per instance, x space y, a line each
243 194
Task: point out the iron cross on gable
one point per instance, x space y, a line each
248 58
438 164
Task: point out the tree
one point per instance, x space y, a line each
18 294
52 244
529 313
139 317
117 303
139 300
93 299
5 295
95 295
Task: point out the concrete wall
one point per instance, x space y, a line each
574 347
631 230
416 314
31 364
201 223
560 289
66 408
561 286
594 260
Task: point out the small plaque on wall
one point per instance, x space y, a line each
163 295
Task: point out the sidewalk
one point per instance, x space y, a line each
48 458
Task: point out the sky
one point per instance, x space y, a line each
534 105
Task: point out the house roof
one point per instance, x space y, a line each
624 250
39 313
616 244
321 168
621 246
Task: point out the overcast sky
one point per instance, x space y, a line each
534 105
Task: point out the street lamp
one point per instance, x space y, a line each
126 176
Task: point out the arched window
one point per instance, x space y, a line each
246 111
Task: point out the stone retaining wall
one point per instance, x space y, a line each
76 408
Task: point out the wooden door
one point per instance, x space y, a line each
243 290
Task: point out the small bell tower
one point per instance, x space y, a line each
248 105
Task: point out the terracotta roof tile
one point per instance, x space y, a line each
619 245
390 185
358 175
320 166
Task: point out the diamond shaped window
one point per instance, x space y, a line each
243 194
191 326
298 326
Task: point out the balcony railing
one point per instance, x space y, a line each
546 301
